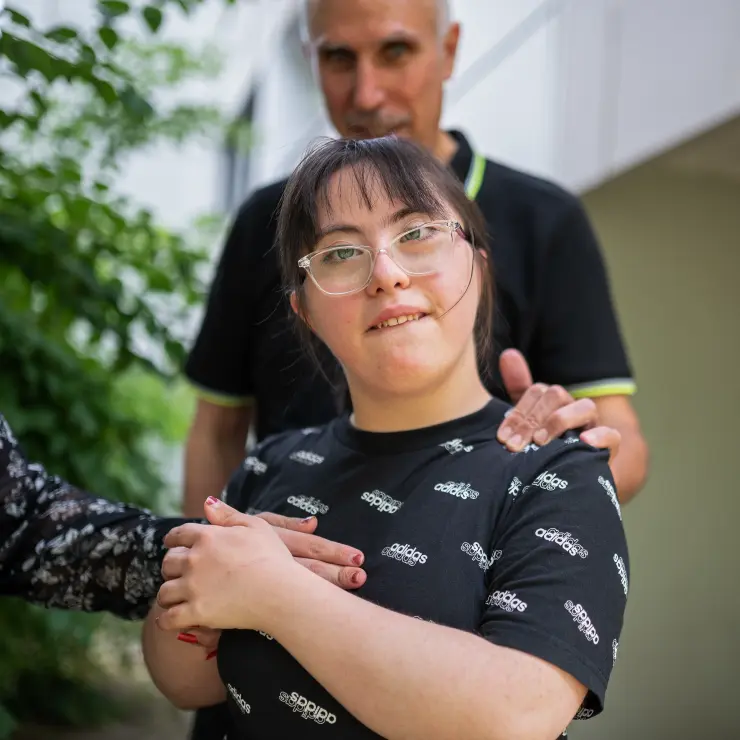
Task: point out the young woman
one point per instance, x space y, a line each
496 582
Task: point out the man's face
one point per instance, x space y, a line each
381 65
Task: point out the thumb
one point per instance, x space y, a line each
220 513
515 373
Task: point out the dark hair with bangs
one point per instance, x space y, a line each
402 171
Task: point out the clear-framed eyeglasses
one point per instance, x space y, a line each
348 268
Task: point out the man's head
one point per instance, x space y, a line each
381 64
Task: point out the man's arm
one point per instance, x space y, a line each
630 464
220 362
214 449
578 343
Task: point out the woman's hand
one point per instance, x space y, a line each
222 577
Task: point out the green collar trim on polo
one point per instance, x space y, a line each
474 180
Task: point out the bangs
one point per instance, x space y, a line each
377 180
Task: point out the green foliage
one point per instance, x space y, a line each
94 297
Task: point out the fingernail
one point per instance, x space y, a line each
358 559
541 436
307 519
187 637
211 501
356 578
212 654
515 442
504 433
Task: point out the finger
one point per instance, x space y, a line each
174 564
317 548
580 414
308 524
186 535
515 373
603 438
176 618
206 638
515 428
172 593
220 513
347 578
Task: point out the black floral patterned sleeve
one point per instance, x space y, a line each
62 547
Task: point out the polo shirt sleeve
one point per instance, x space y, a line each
559 581
577 342
219 363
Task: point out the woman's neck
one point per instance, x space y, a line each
459 394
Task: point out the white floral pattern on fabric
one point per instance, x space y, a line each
62 547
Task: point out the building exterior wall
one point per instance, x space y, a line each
671 240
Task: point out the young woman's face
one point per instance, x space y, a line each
402 357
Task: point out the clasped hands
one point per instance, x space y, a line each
229 576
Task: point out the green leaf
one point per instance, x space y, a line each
19 20
153 17
61 34
113 8
108 36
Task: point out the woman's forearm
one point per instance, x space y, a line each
179 670
406 678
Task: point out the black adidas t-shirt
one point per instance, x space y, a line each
552 302
526 550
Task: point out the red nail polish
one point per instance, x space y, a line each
211 500
187 637
358 559
212 654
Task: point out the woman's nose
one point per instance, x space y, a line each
387 275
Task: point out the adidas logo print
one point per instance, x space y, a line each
255 465
460 490
479 555
507 601
237 697
609 488
307 458
622 570
550 482
581 618
514 487
584 713
563 539
381 501
405 553
308 504
615 648
456 445
307 708
265 635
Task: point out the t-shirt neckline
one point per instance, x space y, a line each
389 443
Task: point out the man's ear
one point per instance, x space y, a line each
450 43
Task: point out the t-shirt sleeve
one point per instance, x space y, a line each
577 342
252 476
219 361
559 581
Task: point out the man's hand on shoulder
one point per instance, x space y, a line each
544 412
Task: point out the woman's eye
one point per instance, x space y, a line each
339 255
414 235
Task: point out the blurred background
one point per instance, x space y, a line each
130 132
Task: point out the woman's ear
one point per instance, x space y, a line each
298 309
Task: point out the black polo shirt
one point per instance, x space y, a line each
526 550
553 302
